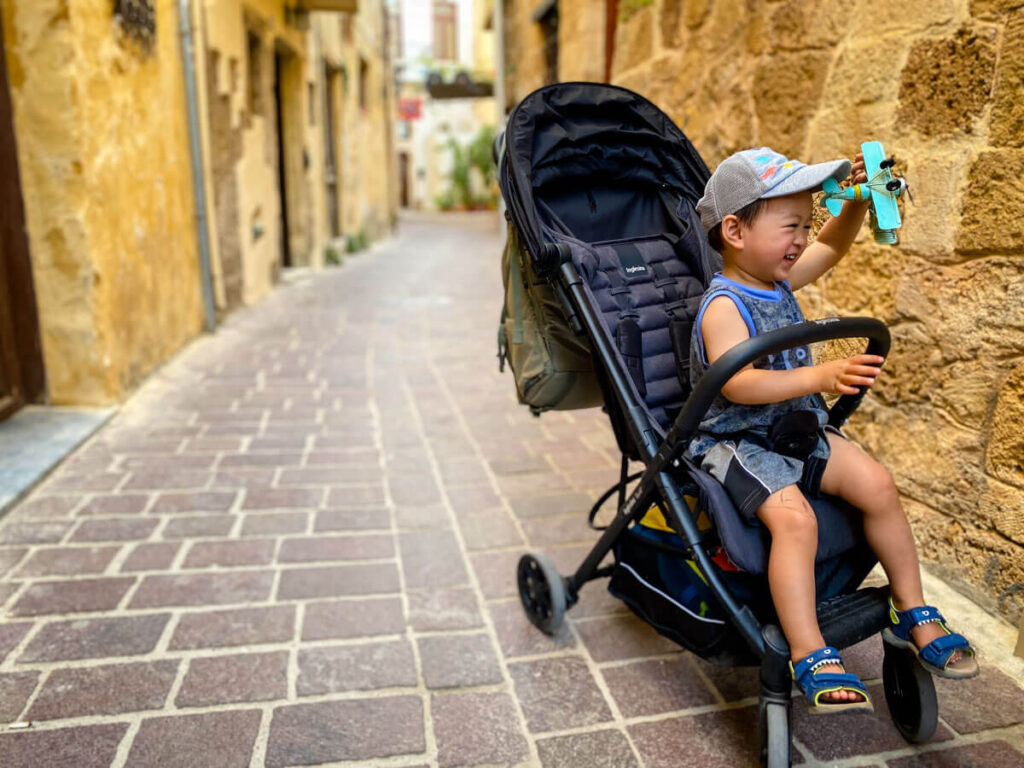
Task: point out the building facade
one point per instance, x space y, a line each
941 85
293 110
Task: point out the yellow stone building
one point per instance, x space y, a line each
941 84
293 117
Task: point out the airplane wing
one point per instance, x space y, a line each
887 213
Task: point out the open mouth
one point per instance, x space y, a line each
790 257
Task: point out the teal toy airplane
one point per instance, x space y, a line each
881 190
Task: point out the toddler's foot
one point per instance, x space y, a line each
827 687
940 650
841 696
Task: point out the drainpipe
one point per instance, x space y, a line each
195 148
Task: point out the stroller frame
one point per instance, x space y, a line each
844 620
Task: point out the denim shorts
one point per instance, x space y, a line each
750 472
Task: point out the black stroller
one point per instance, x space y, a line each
601 189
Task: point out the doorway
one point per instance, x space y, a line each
21 357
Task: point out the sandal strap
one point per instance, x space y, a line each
820 657
904 621
939 650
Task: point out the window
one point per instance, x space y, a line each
446 35
254 70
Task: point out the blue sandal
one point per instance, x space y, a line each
814 686
935 655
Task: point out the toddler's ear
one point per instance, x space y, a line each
731 232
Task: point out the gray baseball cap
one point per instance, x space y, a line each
749 175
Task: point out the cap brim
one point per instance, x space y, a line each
811 177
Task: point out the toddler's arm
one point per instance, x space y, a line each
835 237
723 328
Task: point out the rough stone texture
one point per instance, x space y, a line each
230 679
330 619
245 626
1007 126
945 84
1004 456
95 638
454 661
77 596
699 741
558 693
356 667
88 746
360 729
786 90
108 689
654 687
459 721
991 754
992 195
990 700
597 749
223 739
15 690
633 40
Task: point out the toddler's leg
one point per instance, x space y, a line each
794 530
867 485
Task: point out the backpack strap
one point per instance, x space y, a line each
628 334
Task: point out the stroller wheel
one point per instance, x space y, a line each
542 592
910 694
776 735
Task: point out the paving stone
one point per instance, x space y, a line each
15 690
552 504
990 700
10 557
49 506
354 519
158 590
357 729
323 548
230 679
67 561
439 609
657 686
34 532
275 523
242 626
199 526
330 619
460 719
453 661
463 472
489 530
356 496
95 638
84 746
276 459
94 481
154 479
126 504
114 529
330 669
519 637
413 489
597 749
11 634
212 740
724 739
365 455
212 445
204 554
282 498
167 461
558 693
431 558
989 754
622 637
733 683
73 596
496 573
865 734
108 689
521 486
473 499
559 529
234 478
431 517
193 501
156 556
338 580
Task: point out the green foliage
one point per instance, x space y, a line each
356 242
480 154
460 173
629 8
477 154
332 256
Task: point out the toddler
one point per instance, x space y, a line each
756 210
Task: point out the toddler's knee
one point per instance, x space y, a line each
790 516
881 485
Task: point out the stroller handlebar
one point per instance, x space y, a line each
740 356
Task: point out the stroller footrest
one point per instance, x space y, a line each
845 620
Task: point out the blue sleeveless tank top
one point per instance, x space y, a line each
763 311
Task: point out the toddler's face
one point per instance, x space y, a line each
777 237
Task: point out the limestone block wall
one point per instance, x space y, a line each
941 84
106 180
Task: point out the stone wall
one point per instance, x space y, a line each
106 180
941 84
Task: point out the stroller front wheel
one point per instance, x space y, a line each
542 592
910 694
776 732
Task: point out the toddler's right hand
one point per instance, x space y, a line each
843 377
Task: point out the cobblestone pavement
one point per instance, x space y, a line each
295 545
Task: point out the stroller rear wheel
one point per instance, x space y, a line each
910 694
542 592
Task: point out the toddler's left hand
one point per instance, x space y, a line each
857 174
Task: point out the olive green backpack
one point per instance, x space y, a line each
552 366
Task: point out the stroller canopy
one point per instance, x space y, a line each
607 141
